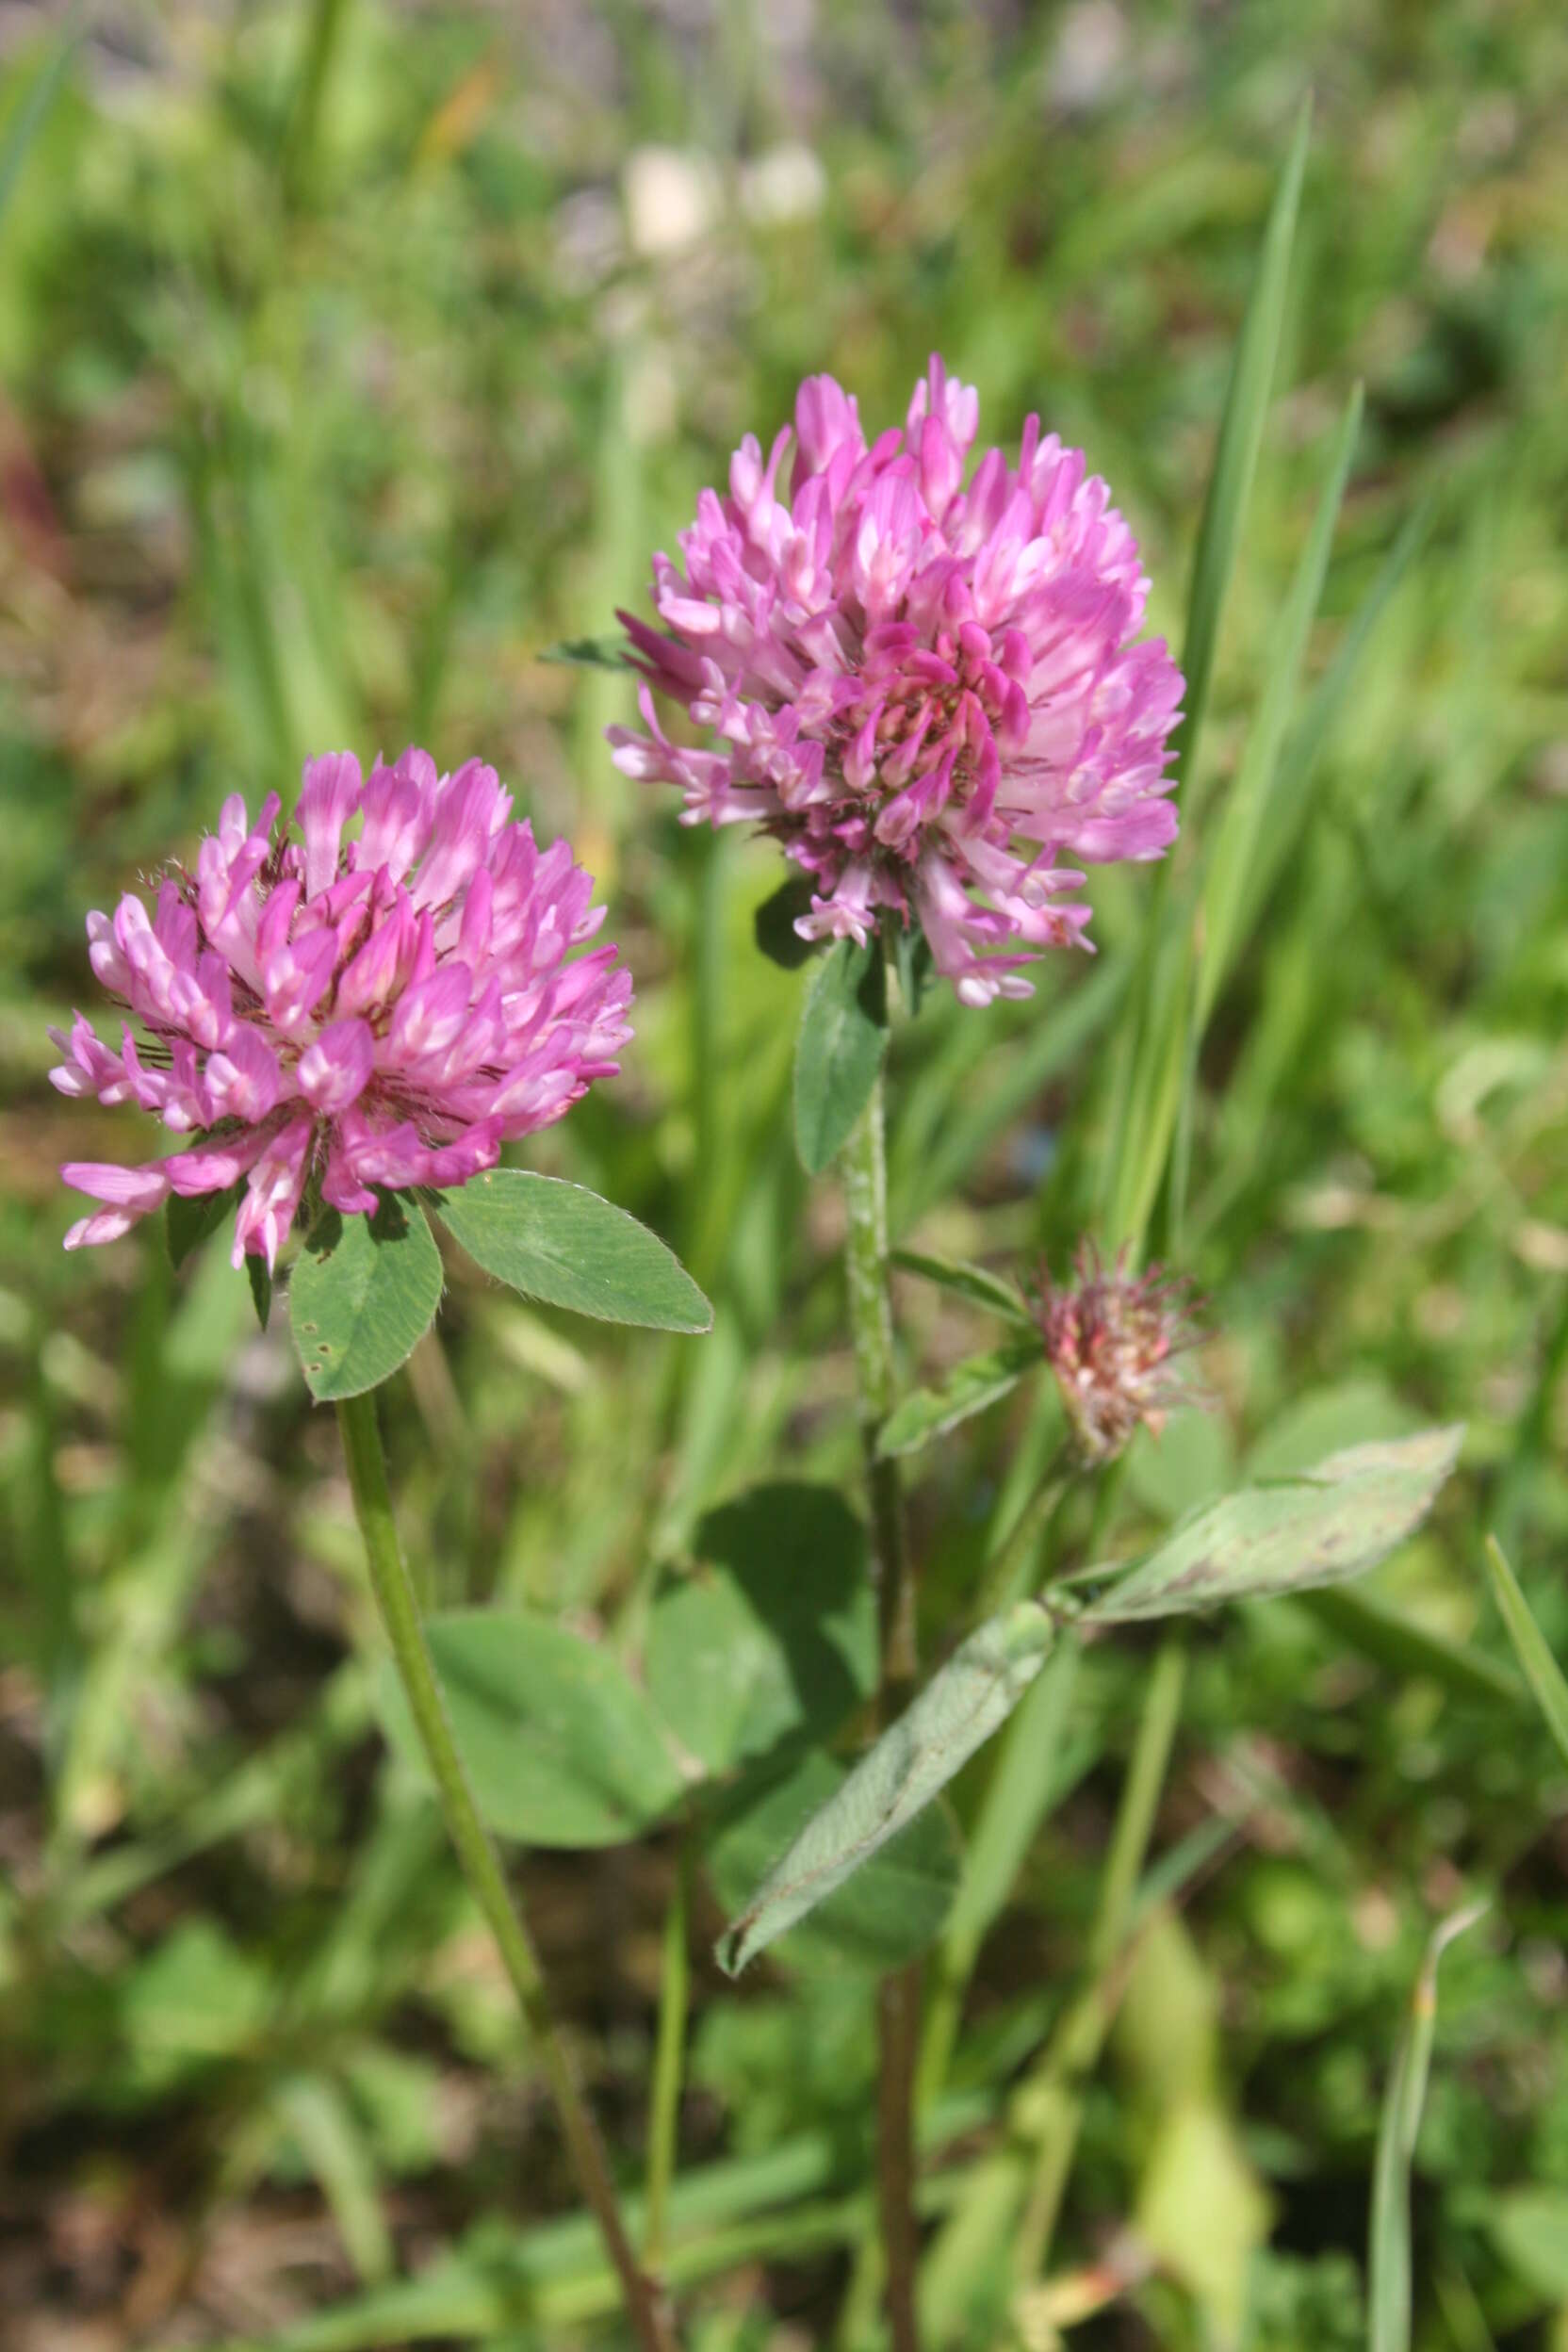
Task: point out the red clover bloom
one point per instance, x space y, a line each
1110 1339
346 1013
929 695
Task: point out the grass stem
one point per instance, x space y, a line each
675 1985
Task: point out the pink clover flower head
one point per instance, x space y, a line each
324 1011
1113 1341
933 696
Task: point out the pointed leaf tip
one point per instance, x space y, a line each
962 1705
562 1244
1332 1523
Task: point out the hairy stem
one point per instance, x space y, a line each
482 1866
865 1179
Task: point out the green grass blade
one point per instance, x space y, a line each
931 1158
332 2141
1243 823
1364 1622
1245 826
1288 802
1388 2253
1155 1051
1153 1096
1541 1670
1240 439
29 117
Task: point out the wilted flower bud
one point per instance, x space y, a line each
1112 1339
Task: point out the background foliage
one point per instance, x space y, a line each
353 355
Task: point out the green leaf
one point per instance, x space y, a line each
188 1223
1026 1782
967 1281
589 653
773 924
961 1705
332 2141
969 1388
1541 1670
915 963
1388 2252
1326 1421
560 1243
259 1275
1529 2230
195 1998
773 1635
560 1746
892 1911
1324 1527
1240 440
362 1296
844 1035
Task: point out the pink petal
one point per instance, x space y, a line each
428 1015
328 798
138 1189
272 1198
334 1070
214 1166
243 1081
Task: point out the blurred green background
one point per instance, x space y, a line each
352 355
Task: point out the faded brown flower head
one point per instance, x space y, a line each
1113 1341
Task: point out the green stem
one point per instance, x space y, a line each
1013 1575
669 2061
481 1864
1056 2091
898 2003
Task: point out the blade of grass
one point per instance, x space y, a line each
722 2218
1367 1624
1388 2251
1242 826
1541 1670
1240 439
1150 1060
333 2144
30 115
669 2061
1288 803
323 39
1137 1164
933 1153
1057 2088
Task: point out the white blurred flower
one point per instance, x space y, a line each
786 183
1092 50
672 199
